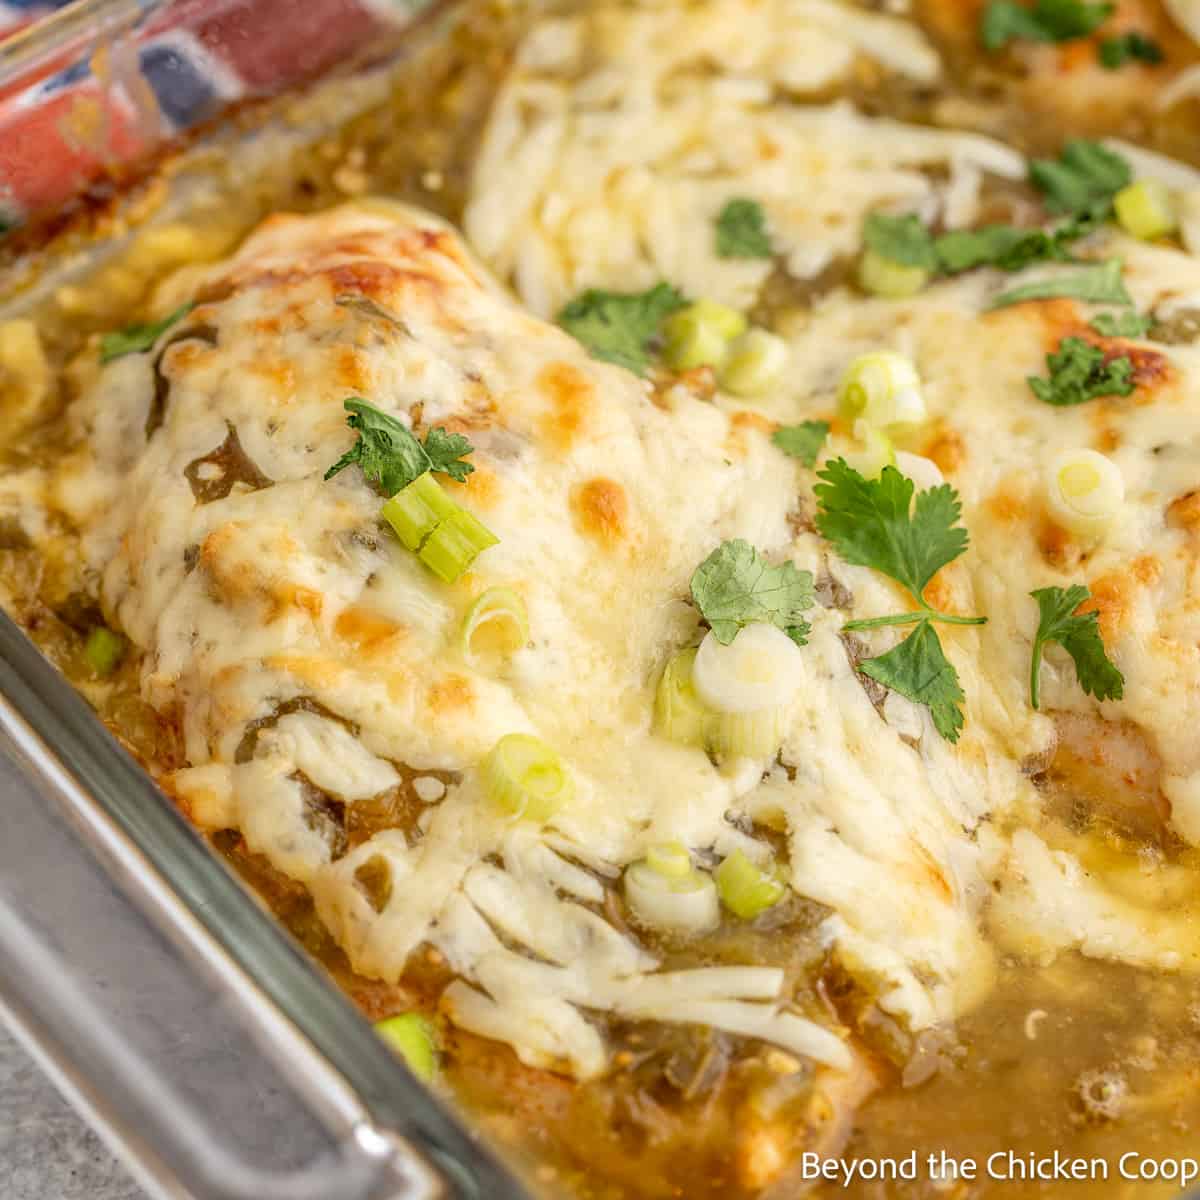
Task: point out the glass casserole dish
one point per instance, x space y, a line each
642 994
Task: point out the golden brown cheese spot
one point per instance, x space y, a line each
742 426
351 370
287 595
318 672
278 372
481 488
946 448
1009 503
1152 373
602 509
1114 594
571 396
367 631
1057 545
451 693
1184 512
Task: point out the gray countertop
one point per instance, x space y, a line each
46 1151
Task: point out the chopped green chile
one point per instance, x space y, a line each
104 650
413 1037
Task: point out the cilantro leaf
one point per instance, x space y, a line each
803 441
445 452
735 586
1085 174
1079 635
900 239
905 240
616 326
136 339
1047 21
389 454
1115 52
961 249
1097 283
742 230
1080 371
1124 324
919 669
870 524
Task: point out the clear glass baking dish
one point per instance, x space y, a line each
165 1001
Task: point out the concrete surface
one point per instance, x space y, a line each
46 1151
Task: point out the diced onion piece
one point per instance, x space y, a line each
699 335
1146 209
747 890
670 859
881 277
924 472
415 511
680 905
760 669
497 620
1084 492
525 779
755 363
455 544
748 735
412 1036
679 714
874 451
103 651
884 389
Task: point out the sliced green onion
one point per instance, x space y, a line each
525 779
415 511
755 363
670 859
455 544
413 1037
699 335
884 389
497 621
1084 492
679 714
1146 209
873 452
687 904
104 650
747 890
760 669
749 734
881 277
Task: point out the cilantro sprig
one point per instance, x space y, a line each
741 230
137 339
803 441
875 523
1123 324
1115 52
1079 372
735 586
391 457
617 327
1096 283
1079 635
1004 21
1084 178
